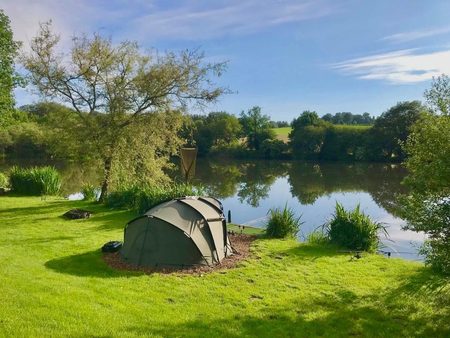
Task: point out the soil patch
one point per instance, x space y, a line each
240 243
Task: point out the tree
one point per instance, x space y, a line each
391 129
427 207
307 118
120 95
307 135
256 127
438 96
8 77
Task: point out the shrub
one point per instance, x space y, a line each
90 192
283 223
35 181
3 180
354 230
142 199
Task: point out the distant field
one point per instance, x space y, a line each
282 133
347 126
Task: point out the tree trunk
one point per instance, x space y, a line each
106 178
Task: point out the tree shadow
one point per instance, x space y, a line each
42 240
313 251
340 313
113 220
88 264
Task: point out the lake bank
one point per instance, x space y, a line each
250 188
284 289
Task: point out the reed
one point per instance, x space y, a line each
35 181
354 230
282 223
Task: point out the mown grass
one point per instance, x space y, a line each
282 133
53 282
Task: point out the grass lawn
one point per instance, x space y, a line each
53 282
282 133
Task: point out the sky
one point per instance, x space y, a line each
285 56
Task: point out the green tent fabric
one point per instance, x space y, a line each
187 231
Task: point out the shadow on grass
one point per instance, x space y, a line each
114 219
313 251
27 211
88 264
42 240
338 314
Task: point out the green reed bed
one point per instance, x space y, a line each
35 180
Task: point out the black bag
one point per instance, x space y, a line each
112 246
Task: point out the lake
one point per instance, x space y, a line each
250 188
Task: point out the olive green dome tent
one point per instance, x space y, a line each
187 231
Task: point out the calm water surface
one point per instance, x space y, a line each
250 188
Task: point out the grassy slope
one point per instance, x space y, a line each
282 133
53 282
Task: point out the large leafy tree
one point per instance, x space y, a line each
125 102
391 129
256 127
8 77
308 135
217 128
427 207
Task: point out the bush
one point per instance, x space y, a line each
35 181
90 192
142 199
354 230
283 223
3 181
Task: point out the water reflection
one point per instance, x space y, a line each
250 189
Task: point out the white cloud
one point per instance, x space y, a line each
416 35
400 67
146 21
232 17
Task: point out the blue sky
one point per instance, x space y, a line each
285 56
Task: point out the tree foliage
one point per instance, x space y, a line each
8 77
117 93
256 127
391 129
427 207
217 128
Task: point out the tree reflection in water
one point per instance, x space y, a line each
251 181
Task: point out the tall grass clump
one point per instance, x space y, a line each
3 181
354 230
142 199
90 192
282 223
317 237
35 181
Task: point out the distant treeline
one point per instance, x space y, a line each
342 136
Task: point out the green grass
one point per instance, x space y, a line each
351 126
53 282
248 230
282 133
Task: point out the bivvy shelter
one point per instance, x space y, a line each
183 232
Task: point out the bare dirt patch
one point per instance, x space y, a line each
240 243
